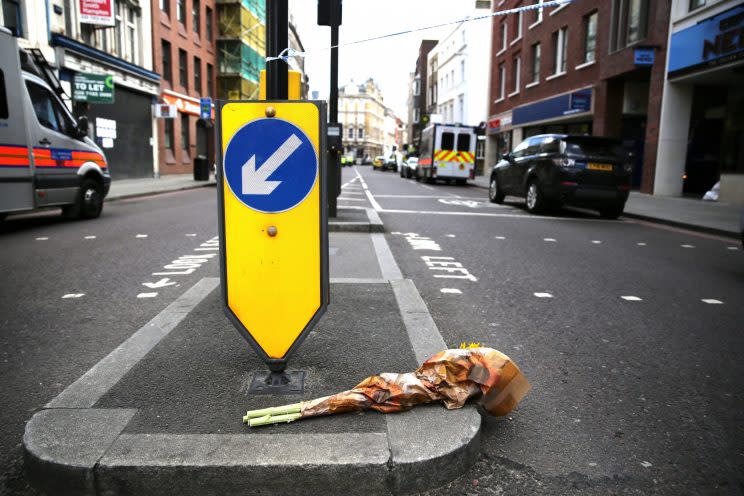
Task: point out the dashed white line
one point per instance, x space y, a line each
147 295
42 238
73 295
351 199
641 244
450 291
687 246
646 464
90 237
450 235
631 298
191 235
711 301
141 236
500 237
549 240
596 242
732 248
543 295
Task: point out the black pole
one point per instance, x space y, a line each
277 39
334 173
333 100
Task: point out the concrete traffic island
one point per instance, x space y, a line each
162 413
356 220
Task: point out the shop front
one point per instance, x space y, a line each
702 121
569 113
119 116
498 140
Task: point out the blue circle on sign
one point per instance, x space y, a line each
270 165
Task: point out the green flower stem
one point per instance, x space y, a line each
273 411
275 419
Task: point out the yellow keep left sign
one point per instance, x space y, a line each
274 240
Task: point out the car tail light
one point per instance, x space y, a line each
564 162
569 183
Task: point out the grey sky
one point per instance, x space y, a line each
388 61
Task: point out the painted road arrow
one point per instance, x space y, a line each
159 284
255 180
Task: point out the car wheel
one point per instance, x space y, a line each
401 172
89 202
408 173
494 191
461 182
612 212
535 199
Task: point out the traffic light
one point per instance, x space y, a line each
329 13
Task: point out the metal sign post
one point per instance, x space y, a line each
273 228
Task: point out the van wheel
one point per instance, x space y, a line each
494 191
461 182
535 199
89 202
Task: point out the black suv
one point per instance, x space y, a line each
551 170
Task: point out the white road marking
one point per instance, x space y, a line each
448 265
162 283
711 301
90 237
348 183
351 199
646 464
543 295
432 197
43 238
73 295
451 291
732 248
141 236
641 244
631 298
371 198
147 295
463 203
550 240
427 187
191 235
687 246
596 242
500 237
450 235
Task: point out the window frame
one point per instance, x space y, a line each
166 65
590 56
196 16
560 44
536 52
181 11
183 68
197 69
185 135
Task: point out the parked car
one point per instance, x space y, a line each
552 170
408 169
391 163
378 163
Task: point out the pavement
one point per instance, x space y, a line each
691 213
162 412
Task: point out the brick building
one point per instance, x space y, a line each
594 67
418 102
185 55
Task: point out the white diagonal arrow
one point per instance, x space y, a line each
255 179
159 284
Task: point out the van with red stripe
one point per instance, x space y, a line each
46 157
447 152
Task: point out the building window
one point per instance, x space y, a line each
196 16
536 62
165 6
169 134
696 4
415 115
629 22
503 36
183 70
517 70
416 86
461 105
118 33
181 11
590 37
210 80
537 14
197 75
462 70
361 133
518 27
167 65
185 132
208 22
502 81
133 55
350 133
560 42
12 17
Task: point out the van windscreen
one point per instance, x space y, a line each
448 141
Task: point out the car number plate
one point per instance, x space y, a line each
601 167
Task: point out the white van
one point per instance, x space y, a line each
46 158
447 152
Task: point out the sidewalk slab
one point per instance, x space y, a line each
689 213
358 219
166 415
131 188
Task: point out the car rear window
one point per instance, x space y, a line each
448 141
594 147
463 142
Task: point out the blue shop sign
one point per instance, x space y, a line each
715 41
559 106
643 56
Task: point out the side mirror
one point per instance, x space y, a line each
507 157
82 127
